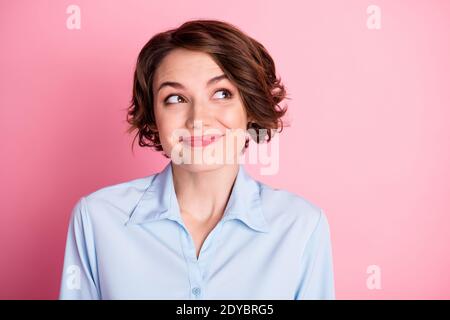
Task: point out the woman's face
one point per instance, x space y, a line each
199 113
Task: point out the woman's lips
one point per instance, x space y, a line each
200 141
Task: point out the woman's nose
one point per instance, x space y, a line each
199 116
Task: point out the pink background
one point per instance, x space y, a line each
368 141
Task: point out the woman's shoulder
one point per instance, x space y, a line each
121 190
287 207
115 199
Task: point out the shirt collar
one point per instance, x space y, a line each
159 201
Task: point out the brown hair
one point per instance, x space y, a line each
244 61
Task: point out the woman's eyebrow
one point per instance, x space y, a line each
178 85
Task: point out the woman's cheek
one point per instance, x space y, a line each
233 118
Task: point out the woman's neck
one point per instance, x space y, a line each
204 195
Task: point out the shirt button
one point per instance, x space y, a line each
196 291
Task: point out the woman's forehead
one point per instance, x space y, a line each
181 63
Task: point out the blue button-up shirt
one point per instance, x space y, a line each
128 241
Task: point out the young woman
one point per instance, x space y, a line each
200 229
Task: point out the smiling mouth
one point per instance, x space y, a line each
200 141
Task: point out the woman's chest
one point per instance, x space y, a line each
157 262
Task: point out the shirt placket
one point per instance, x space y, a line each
198 268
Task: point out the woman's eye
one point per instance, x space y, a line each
220 94
228 94
174 98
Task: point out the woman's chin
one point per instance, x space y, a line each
201 167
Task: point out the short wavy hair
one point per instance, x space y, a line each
245 62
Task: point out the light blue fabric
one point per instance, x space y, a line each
128 241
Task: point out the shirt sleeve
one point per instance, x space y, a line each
79 272
317 276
